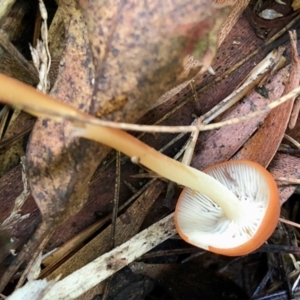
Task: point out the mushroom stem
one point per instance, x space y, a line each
17 93
164 166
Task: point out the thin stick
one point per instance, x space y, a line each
267 108
289 222
16 93
287 180
295 113
273 60
289 138
189 151
116 200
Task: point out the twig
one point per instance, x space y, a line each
17 93
228 72
267 108
190 147
295 113
289 138
273 60
289 222
286 180
116 200
114 218
262 284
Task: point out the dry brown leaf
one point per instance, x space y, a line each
143 51
284 165
222 144
261 148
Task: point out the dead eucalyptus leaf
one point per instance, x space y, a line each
260 147
140 49
221 144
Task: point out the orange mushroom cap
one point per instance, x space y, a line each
203 223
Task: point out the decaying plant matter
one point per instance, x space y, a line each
60 167
133 61
91 131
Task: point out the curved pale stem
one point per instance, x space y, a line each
164 166
16 93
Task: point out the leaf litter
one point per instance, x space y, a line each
197 128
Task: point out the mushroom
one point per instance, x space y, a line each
86 126
226 204
204 223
